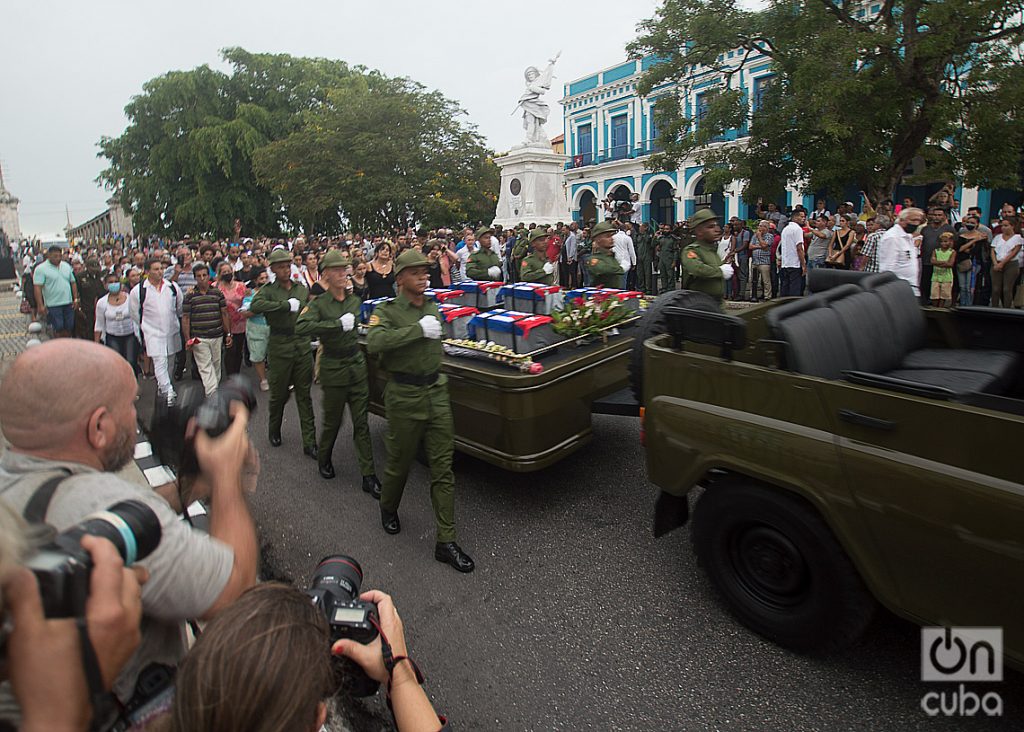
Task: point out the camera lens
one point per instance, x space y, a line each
131 526
338 575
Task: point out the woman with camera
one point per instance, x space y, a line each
264 665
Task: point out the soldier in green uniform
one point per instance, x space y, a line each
644 243
332 318
536 267
703 270
288 353
602 266
667 246
484 263
406 333
522 247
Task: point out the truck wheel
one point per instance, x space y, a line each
779 568
653 323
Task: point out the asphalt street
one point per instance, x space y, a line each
576 618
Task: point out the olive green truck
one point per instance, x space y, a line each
841 450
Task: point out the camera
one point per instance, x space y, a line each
335 590
169 424
62 567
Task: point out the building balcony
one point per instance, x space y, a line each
613 154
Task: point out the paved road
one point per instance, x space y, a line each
576 618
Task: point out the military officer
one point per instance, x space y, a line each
703 270
667 247
644 242
288 354
484 263
332 318
406 334
602 266
536 267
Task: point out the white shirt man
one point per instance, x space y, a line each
792 239
636 216
898 254
625 253
158 316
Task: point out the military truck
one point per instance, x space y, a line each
840 451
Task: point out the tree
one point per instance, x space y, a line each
854 98
184 163
379 153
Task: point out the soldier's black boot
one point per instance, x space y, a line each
326 471
310 450
390 522
275 439
372 486
451 553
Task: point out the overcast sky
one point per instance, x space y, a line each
71 67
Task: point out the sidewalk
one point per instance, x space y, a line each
13 325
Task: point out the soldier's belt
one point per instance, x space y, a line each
346 352
414 379
282 331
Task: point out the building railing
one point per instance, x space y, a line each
616 152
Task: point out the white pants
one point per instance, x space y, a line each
163 378
207 355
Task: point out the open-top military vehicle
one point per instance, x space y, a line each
843 449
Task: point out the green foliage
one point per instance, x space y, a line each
304 142
852 99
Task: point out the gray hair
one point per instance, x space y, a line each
908 212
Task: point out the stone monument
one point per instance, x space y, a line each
9 212
532 189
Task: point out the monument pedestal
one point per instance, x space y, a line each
532 190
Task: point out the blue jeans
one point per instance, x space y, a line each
127 346
61 317
964 282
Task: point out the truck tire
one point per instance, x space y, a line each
779 568
653 323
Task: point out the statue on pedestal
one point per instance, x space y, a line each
535 111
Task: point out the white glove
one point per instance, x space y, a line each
727 271
348 321
431 327
293 304
548 268
494 273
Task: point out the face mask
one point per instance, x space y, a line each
113 287
227 277
909 228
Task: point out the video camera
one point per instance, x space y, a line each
335 590
62 567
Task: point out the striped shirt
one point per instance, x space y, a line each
205 312
869 250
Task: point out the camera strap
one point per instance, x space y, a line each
39 503
104 707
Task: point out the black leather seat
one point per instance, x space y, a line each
877 327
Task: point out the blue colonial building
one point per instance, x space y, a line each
610 132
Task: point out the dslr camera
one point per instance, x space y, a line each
335 590
168 427
62 567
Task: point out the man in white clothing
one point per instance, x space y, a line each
897 251
625 253
156 306
792 255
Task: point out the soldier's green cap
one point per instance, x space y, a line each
410 258
484 230
538 233
279 255
602 228
334 258
701 217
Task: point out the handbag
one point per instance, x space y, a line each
25 308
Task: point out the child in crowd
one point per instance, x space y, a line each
943 260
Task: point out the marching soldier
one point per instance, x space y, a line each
536 267
484 263
406 333
703 270
602 266
644 242
332 318
288 353
667 245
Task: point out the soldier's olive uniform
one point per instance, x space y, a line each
702 270
532 270
342 375
288 355
644 244
604 269
480 261
668 254
417 405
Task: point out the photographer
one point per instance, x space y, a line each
77 441
264 664
54 695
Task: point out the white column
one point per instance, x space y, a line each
968 198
